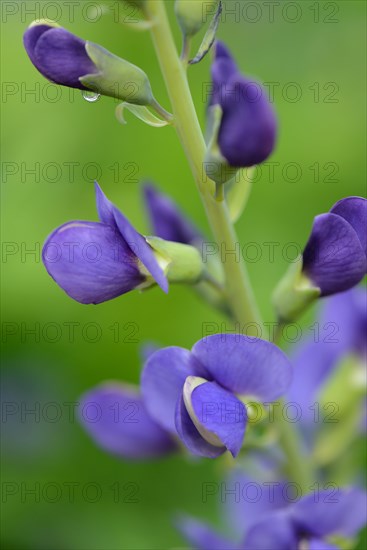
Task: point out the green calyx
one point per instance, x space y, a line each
192 15
116 77
216 166
294 293
181 263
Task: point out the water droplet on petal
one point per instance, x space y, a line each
90 96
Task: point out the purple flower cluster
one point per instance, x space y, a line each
276 523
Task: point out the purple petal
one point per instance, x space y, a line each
313 363
90 262
222 52
59 55
167 220
344 316
221 413
343 325
322 514
333 258
201 536
105 208
111 215
147 349
191 437
354 210
245 365
115 417
162 381
31 37
317 544
248 128
274 531
222 69
251 499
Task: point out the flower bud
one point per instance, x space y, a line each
193 14
241 120
334 259
66 59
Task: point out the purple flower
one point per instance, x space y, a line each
59 55
264 516
68 60
167 220
335 255
194 393
342 326
116 418
248 128
312 519
97 261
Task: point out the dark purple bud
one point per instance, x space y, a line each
248 128
65 59
167 220
334 257
59 55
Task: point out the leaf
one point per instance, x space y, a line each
140 112
209 37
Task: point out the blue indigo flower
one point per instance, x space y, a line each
269 520
248 125
310 521
66 59
335 255
196 394
167 221
334 259
116 418
342 323
97 261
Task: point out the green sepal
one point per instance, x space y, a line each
237 192
141 112
182 262
340 405
216 166
209 37
116 77
294 293
190 14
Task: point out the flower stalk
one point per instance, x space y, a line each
237 285
239 292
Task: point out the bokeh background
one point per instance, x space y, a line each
315 58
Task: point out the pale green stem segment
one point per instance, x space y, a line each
299 467
239 292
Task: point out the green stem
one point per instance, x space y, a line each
239 292
299 468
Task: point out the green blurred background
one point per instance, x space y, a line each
321 50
